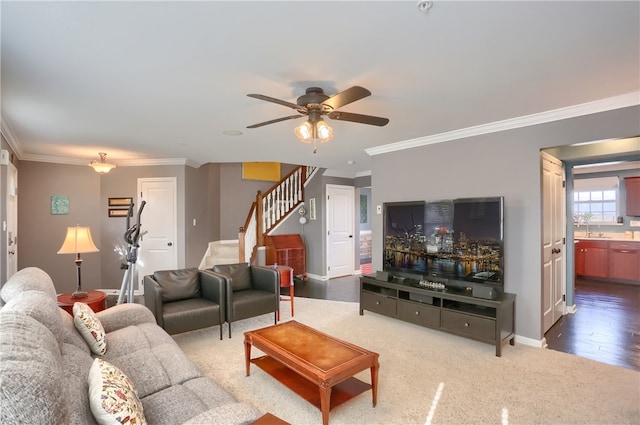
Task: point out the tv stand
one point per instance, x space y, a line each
452 311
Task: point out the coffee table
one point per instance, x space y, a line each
316 366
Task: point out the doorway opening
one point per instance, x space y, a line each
585 295
364 230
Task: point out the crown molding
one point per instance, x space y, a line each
10 137
124 163
602 105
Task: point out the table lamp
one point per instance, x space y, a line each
78 241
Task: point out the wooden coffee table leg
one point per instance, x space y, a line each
374 383
325 403
247 355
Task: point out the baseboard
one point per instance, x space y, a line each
571 309
538 343
317 277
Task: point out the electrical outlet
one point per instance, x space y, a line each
634 223
378 209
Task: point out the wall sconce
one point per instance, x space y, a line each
102 166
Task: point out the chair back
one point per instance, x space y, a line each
239 275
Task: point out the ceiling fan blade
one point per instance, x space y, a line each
359 118
291 117
347 96
274 100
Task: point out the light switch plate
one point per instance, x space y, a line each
634 223
378 209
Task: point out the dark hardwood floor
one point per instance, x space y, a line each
605 327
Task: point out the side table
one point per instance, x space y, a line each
286 281
96 301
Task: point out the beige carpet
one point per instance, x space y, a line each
428 377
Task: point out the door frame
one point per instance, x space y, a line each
553 236
10 223
139 290
350 219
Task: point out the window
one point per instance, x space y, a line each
596 200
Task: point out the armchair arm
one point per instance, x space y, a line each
227 293
213 287
265 279
153 298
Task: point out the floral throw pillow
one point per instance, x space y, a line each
90 328
112 397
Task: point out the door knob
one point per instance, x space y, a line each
170 244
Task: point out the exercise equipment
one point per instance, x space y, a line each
131 237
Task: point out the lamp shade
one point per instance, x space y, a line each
78 240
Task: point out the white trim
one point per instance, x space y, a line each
602 105
538 343
10 136
317 277
571 309
123 163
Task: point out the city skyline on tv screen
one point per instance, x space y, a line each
457 239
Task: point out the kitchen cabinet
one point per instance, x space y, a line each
632 188
616 260
624 260
594 258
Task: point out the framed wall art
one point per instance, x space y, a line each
120 202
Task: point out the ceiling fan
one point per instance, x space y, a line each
315 104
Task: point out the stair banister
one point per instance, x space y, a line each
270 209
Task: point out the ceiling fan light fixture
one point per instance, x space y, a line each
102 166
304 132
324 131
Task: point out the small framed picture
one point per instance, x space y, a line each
312 209
118 212
59 205
120 202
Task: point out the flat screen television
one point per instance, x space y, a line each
459 241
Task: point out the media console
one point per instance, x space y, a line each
447 310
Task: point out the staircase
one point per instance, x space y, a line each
268 210
220 252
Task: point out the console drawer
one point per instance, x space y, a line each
422 315
378 303
465 324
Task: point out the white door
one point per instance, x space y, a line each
12 220
340 224
159 226
553 240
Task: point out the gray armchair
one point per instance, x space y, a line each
186 299
250 291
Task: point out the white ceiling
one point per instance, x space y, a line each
161 81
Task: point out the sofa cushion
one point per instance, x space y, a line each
41 307
239 273
112 396
28 279
178 284
31 374
90 328
76 363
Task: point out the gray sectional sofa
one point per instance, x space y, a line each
44 363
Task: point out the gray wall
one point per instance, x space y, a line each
214 195
236 195
41 233
505 163
123 182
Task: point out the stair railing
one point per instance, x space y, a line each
270 208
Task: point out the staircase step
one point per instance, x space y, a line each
222 252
